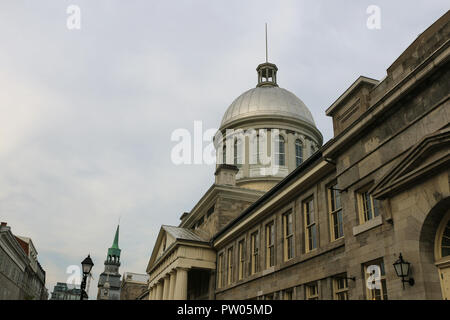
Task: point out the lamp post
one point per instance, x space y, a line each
402 270
86 265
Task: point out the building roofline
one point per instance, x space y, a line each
360 80
308 163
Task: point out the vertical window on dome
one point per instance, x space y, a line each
255 148
238 152
298 152
224 154
280 155
258 150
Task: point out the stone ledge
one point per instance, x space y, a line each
375 222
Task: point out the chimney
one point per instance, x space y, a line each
226 174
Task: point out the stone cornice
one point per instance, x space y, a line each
378 108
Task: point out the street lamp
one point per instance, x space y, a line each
86 265
402 270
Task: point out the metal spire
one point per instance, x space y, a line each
267 55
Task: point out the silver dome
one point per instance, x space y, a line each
267 101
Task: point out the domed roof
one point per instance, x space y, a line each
267 101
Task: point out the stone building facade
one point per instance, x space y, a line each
133 285
332 225
21 275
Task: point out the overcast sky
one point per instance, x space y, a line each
86 115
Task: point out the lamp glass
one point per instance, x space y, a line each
87 265
401 267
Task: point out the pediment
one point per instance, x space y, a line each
170 235
163 241
427 157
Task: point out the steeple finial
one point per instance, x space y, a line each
267 72
267 51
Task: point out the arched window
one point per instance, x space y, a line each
237 152
280 155
298 152
443 237
224 154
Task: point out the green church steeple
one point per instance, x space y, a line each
114 251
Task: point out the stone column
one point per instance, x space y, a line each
150 292
159 291
181 284
166 288
153 292
172 280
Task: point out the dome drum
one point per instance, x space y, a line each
292 135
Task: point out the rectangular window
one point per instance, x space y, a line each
310 225
367 206
312 291
340 287
220 271
336 218
288 294
254 261
268 297
375 283
241 259
288 236
270 244
230 266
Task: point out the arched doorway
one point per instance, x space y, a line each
442 254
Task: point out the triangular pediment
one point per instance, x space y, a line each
427 157
169 235
163 241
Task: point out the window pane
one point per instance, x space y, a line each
340 224
313 236
298 153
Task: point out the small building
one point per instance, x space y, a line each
62 291
133 285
